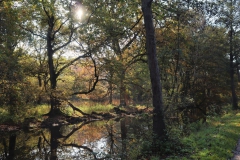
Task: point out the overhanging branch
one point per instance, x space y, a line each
70 63
95 82
65 44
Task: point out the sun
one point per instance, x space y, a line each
79 13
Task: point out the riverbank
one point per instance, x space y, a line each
217 139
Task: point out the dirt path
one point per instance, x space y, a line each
236 155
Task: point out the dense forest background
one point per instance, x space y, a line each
57 52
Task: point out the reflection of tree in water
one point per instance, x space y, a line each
87 140
13 146
44 145
10 150
61 145
112 139
124 138
60 149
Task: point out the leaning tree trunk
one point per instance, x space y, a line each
158 114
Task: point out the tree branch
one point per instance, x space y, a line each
32 32
135 59
59 27
65 44
130 42
77 109
70 63
94 84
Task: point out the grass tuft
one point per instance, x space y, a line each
96 108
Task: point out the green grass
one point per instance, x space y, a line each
39 110
86 108
96 108
22 113
215 140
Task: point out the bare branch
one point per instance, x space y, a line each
65 44
70 63
60 27
77 109
46 12
130 42
32 32
137 58
136 23
95 82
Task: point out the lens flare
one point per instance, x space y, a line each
79 13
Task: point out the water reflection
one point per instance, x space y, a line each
87 140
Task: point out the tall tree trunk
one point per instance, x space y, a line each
122 90
110 86
110 93
159 127
54 101
234 95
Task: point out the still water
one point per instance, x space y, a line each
87 140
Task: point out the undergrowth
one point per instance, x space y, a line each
215 139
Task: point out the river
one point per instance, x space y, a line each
112 139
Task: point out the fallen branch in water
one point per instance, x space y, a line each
77 109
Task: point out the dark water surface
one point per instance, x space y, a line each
87 140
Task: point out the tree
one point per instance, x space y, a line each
119 22
192 56
12 79
229 17
159 127
53 23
